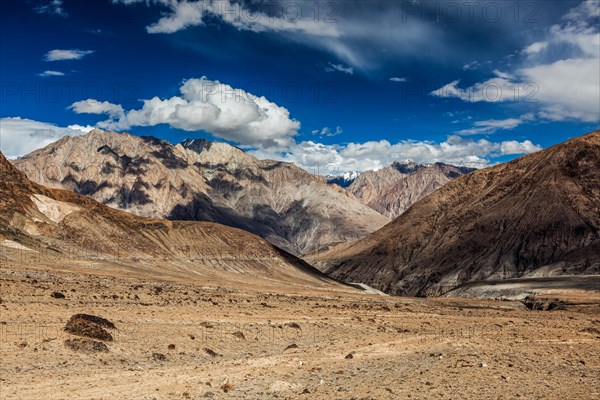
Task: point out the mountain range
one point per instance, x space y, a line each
53 224
204 181
392 190
536 216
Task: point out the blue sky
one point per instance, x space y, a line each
355 85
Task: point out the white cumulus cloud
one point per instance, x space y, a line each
569 89
93 106
511 147
205 105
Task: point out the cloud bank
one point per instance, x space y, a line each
20 136
379 154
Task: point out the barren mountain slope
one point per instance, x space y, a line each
43 223
392 190
537 215
204 181
299 206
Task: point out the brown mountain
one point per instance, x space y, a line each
57 224
392 190
538 215
204 181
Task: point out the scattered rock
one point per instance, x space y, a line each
84 327
171 346
291 346
57 295
103 322
533 303
591 330
349 356
86 345
159 357
294 325
239 335
136 367
210 352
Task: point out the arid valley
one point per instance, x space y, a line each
299 200
328 342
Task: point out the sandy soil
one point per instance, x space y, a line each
401 348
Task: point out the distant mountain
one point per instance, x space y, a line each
392 190
538 215
54 224
204 181
344 180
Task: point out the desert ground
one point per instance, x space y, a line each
197 338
